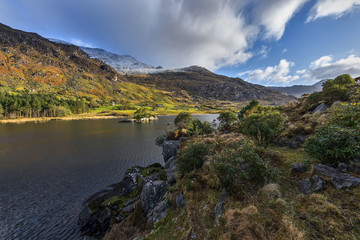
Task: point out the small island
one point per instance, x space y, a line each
141 115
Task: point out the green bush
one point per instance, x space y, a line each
198 128
159 140
183 120
346 115
192 157
312 99
226 119
142 113
241 170
249 107
337 89
262 128
334 144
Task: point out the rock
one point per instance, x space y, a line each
342 167
338 179
300 139
171 170
357 159
321 108
352 168
170 149
129 208
219 208
224 132
284 142
305 186
318 183
158 212
299 167
181 200
151 194
94 223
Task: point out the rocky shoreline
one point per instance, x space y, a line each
142 189
141 120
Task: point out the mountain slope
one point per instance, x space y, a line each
299 90
122 63
201 83
29 62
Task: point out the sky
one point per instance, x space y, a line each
268 42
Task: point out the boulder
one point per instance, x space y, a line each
300 139
299 167
94 223
171 170
321 108
219 208
151 194
158 212
170 149
318 183
352 168
181 200
305 186
338 179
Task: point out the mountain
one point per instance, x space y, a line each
29 62
299 90
201 83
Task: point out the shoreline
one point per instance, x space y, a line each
79 117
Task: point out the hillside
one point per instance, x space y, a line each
201 83
299 90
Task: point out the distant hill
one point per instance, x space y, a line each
201 83
299 90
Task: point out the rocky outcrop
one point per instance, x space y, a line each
145 187
320 109
219 208
305 186
117 201
338 179
291 143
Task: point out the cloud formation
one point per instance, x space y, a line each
172 33
272 74
326 68
336 8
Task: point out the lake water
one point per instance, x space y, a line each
47 170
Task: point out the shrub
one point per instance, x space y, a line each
346 115
226 119
263 127
198 128
183 120
241 170
142 113
192 157
312 99
334 144
249 107
337 89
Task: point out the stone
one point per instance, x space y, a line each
300 139
151 194
338 179
357 159
171 170
181 200
321 108
318 183
299 167
94 223
342 167
305 186
219 208
158 212
129 208
170 149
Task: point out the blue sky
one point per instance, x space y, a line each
269 42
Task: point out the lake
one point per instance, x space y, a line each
48 169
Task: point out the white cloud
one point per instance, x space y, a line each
275 14
329 69
171 33
284 50
321 62
272 74
299 72
336 8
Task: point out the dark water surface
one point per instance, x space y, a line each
48 169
